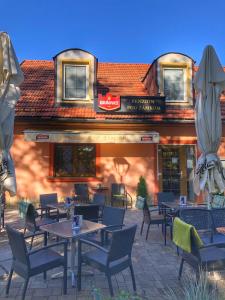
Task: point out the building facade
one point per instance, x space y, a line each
80 120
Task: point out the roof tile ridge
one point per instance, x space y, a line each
123 63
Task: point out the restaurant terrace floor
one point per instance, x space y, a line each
155 265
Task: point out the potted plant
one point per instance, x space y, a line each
142 193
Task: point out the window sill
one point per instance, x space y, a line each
73 179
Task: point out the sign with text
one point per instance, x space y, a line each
135 105
108 102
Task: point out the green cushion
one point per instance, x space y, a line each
119 196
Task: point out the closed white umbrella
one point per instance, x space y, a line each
11 77
209 83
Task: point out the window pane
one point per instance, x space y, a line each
79 161
63 160
75 81
81 77
174 84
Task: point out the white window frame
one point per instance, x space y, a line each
185 83
64 81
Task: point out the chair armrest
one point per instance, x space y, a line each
129 195
34 234
87 242
49 246
111 228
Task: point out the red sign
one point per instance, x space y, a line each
108 102
147 138
42 137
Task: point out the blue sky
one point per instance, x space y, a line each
114 30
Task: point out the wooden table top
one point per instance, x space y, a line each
64 229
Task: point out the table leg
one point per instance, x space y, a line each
73 255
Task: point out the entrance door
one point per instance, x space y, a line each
176 169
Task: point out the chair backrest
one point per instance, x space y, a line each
218 216
146 213
31 215
18 246
121 243
113 215
118 189
89 212
46 199
99 199
200 218
194 246
81 191
165 197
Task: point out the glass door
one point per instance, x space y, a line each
176 168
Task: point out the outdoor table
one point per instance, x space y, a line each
64 230
175 206
62 206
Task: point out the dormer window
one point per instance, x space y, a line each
174 82
75 81
75 77
171 75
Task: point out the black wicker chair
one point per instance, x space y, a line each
33 222
150 218
206 222
120 194
89 212
110 260
30 263
81 192
164 197
99 199
53 213
207 258
218 215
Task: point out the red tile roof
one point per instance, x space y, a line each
37 92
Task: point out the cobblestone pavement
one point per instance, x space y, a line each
156 269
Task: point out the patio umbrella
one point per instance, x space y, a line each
11 77
209 83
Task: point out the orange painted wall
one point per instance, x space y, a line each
136 159
32 167
32 162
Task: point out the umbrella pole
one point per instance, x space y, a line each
6 272
1 191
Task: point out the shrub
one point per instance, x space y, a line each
193 290
142 190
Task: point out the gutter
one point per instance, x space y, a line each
103 121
